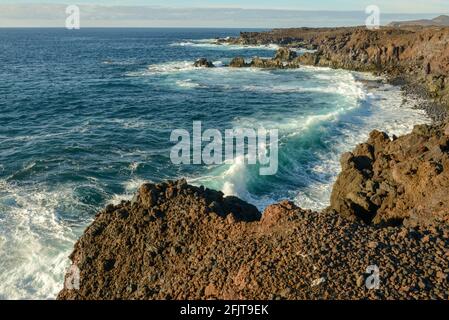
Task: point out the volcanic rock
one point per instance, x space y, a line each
266 63
238 62
203 63
285 54
198 244
388 210
386 182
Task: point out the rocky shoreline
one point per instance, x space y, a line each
416 58
389 206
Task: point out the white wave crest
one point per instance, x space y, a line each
163 68
213 44
360 107
188 83
382 108
131 186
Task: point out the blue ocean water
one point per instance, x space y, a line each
86 117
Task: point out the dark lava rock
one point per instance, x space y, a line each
388 207
285 54
238 62
202 245
203 63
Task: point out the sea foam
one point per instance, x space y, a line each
359 110
35 242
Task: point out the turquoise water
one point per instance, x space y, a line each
86 117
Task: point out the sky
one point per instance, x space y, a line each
390 6
214 13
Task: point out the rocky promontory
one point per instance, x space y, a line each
389 210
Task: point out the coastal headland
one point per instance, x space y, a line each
388 218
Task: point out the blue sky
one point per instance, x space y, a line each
391 6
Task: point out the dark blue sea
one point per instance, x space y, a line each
86 117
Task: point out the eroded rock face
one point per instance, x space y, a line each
389 206
176 241
387 181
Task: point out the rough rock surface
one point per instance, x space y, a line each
238 62
285 54
267 63
387 181
283 59
176 241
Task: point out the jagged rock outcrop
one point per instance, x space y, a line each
391 181
203 63
176 241
267 63
285 54
238 62
282 59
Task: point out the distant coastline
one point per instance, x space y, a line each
409 57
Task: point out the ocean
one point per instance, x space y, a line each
86 117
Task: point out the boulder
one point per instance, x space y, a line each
308 58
